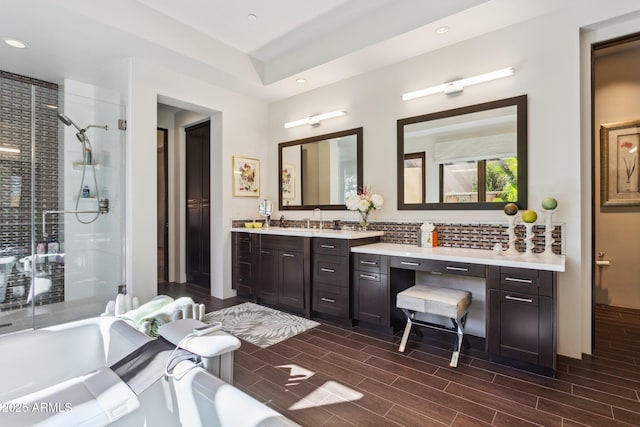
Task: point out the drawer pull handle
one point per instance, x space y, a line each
456 268
328 300
527 300
515 279
288 255
327 246
413 264
265 252
369 262
368 276
327 270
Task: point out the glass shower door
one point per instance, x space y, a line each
56 264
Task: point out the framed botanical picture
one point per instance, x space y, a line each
246 177
620 163
288 181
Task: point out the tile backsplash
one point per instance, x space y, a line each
450 234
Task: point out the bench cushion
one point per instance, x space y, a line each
446 302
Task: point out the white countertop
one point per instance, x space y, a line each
311 232
472 256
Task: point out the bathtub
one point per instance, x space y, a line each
59 376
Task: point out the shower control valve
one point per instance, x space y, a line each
104 206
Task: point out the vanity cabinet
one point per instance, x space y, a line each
284 272
244 247
522 320
370 289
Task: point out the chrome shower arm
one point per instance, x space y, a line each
95 126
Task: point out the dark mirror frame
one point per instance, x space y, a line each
521 106
358 132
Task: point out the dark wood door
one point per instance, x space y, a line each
198 240
291 265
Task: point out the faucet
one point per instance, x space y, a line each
320 212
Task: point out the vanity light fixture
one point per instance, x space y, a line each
458 86
315 120
9 150
15 43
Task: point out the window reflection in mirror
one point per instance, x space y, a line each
471 157
414 177
321 171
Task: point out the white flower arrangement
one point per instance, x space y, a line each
364 201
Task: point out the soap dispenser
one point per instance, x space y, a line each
53 247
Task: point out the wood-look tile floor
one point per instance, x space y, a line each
334 376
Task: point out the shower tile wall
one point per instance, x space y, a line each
15 181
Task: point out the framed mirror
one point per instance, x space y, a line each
471 157
321 171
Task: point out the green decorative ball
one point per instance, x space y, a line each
549 203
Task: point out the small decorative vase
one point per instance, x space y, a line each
364 220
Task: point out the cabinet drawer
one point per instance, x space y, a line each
331 300
367 275
339 247
370 262
448 267
533 282
330 269
285 243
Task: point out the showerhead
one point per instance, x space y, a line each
67 121
64 119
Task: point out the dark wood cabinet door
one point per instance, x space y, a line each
243 271
269 276
370 297
519 330
291 265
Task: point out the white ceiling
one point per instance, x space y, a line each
214 41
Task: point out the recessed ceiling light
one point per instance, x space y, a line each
252 17
442 30
15 43
301 80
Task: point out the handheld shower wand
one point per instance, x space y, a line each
86 150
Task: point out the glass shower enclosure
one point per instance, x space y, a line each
62 162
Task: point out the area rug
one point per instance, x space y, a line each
259 325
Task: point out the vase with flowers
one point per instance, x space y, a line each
364 202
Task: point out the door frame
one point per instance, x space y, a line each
595 47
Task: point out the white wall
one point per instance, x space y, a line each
240 129
546 55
